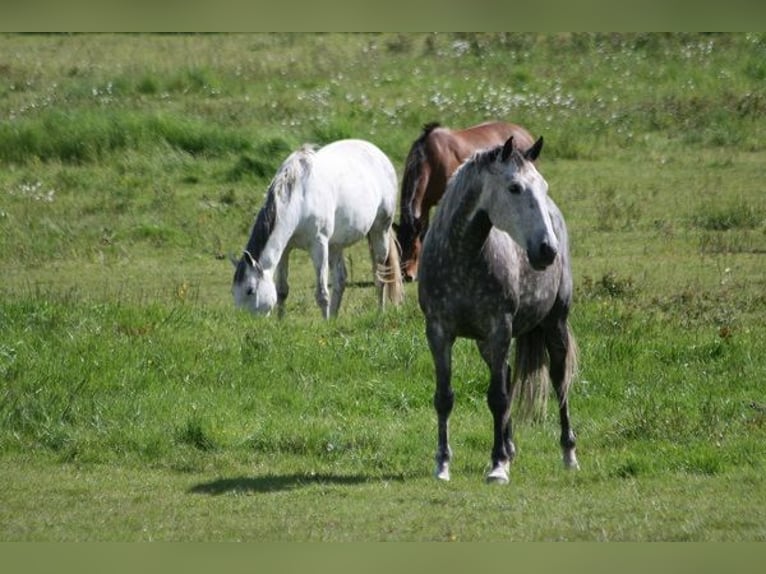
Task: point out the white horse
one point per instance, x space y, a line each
322 201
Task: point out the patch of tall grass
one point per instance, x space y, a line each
91 136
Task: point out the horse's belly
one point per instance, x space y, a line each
527 318
351 226
340 227
472 305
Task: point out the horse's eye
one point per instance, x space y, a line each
250 291
515 188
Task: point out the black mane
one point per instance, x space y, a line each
264 225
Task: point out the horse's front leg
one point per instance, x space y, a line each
444 398
338 280
319 256
494 352
283 289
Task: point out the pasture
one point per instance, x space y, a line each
136 404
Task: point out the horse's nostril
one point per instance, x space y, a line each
548 252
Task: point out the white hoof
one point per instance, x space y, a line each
499 474
570 460
442 472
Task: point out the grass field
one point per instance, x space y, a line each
136 404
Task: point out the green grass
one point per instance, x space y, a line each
136 404
267 501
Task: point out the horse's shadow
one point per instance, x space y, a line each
278 483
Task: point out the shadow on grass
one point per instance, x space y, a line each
276 483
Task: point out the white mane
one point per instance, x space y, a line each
295 168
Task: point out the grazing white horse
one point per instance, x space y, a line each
322 201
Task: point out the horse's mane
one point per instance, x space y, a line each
461 194
461 188
295 168
485 158
470 168
411 175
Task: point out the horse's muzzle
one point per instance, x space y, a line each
409 271
543 257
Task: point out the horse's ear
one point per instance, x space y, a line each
507 149
253 263
532 153
249 259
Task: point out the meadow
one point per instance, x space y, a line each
136 404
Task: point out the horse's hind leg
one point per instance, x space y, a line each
378 243
444 398
339 275
319 256
562 350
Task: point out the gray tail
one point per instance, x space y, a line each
530 381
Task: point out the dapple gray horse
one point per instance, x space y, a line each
495 266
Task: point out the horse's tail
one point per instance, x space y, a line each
530 372
390 273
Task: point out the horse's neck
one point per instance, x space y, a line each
285 227
475 231
272 232
470 223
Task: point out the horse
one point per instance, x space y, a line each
432 159
322 201
495 267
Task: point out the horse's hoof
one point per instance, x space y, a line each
570 461
442 472
499 474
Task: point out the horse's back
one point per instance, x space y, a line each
358 167
490 134
446 149
358 181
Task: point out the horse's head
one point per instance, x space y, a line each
253 289
517 202
408 237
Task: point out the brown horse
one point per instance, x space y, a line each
432 159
